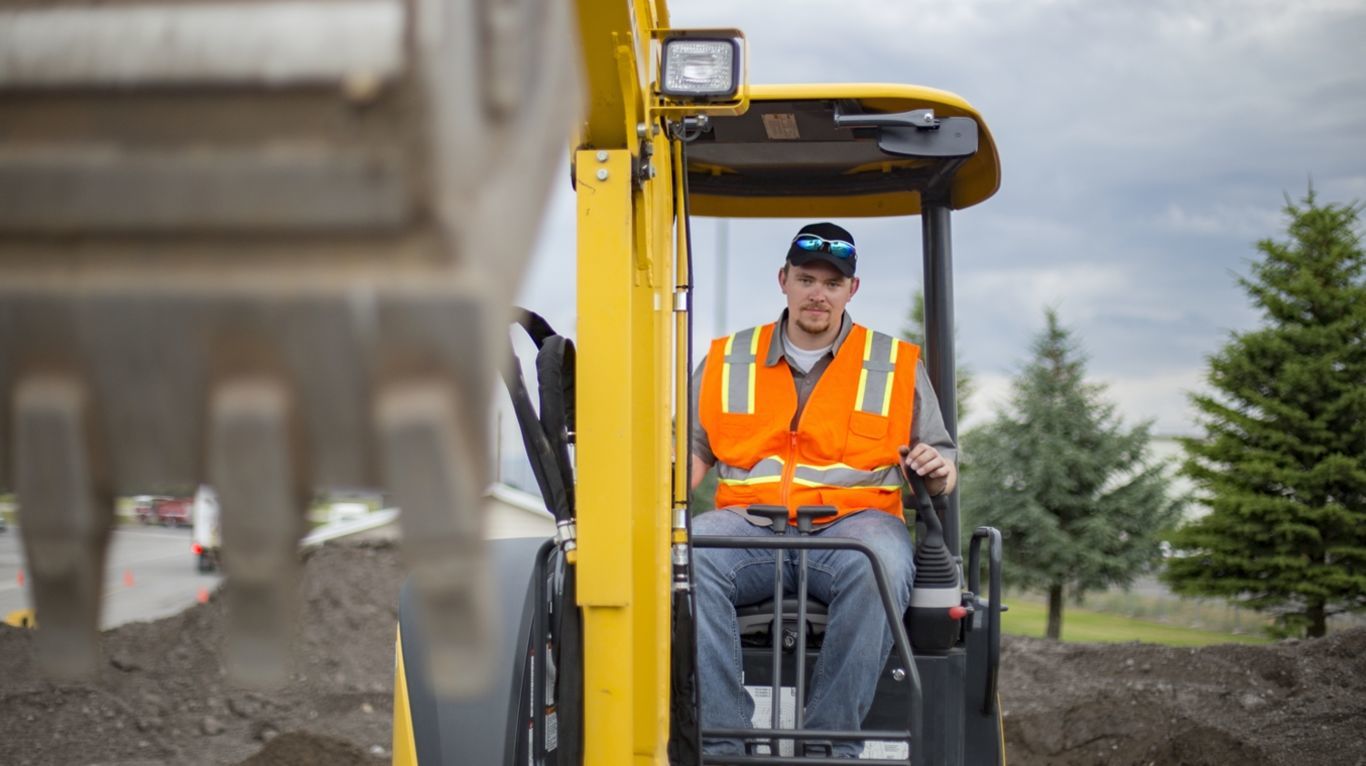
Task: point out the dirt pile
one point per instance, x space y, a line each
1136 704
161 697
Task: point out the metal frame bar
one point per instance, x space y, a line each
939 351
775 708
994 558
900 643
799 694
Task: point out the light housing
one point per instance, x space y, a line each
701 68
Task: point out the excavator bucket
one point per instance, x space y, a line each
267 245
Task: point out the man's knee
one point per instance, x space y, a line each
713 565
897 559
718 523
890 542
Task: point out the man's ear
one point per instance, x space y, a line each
853 286
782 279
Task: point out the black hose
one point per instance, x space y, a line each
546 438
538 449
555 371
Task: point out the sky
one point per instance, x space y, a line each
1146 146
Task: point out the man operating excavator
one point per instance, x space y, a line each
811 410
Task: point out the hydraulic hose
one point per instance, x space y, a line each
546 438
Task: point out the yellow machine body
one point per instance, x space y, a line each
631 333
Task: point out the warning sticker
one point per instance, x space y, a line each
889 750
781 126
787 719
763 710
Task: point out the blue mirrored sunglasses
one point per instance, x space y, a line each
813 243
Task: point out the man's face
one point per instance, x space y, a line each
816 296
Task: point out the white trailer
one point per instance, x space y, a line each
207 537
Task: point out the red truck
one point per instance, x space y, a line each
172 511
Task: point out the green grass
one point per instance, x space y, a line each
1030 618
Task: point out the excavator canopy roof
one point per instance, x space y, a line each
786 157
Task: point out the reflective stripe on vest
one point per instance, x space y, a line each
737 372
770 470
875 379
766 471
841 475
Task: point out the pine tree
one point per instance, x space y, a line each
1282 464
1073 491
913 331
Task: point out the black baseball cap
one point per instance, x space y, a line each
824 242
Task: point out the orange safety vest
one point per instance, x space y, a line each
844 450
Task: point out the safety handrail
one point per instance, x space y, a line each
900 642
994 556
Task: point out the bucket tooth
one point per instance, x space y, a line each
66 514
252 467
433 467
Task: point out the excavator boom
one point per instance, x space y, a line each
250 244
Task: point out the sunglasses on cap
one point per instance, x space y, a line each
812 243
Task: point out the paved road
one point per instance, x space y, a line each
150 574
161 568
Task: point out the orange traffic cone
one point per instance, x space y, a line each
202 596
20 578
127 578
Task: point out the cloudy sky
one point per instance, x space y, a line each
1145 147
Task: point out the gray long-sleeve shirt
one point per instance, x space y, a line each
927 422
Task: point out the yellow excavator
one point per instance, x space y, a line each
601 671
271 245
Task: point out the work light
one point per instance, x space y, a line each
699 68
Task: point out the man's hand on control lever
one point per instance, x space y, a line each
940 474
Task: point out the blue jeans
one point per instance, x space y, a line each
857 637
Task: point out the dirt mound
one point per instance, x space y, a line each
302 749
161 697
1293 703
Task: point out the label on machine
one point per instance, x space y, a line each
787 719
763 712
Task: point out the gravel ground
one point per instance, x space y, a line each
161 697
1295 703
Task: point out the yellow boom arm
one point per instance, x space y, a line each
626 278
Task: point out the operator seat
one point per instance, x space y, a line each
756 623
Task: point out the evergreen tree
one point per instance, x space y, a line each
1282 465
1079 503
913 331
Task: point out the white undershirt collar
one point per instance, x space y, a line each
801 358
